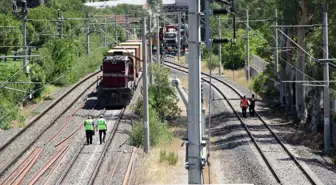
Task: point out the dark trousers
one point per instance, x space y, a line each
244 111
89 134
101 132
252 111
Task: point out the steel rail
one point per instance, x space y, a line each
103 153
37 136
114 169
36 118
73 159
289 153
47 165
127 178
69 136
17 171
269 165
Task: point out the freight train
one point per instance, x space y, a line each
121 72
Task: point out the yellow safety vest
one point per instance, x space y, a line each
101 124
88 124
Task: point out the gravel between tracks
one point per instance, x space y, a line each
50 149
19 144
83 166
239 161
287 170
322 167
116 160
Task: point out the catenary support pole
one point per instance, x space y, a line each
276 57
326 96
145 87
179 36
219 47
194 95
247 47
87 34
150 47
24 34
158 38
105 29
60 24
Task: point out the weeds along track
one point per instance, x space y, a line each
85 163
280 160
18 145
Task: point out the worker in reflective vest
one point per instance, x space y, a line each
102 127
244 105
89 129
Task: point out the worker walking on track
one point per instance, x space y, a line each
102 127
244 105
252 105
89 129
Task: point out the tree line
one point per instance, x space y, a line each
59 61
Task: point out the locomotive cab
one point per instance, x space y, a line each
115 87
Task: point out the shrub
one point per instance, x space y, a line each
162 94
258 83
214 61
8 112
170 157
158 131
37 75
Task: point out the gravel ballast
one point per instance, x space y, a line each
263 137
12 150
237 161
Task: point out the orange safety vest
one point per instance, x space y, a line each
244 102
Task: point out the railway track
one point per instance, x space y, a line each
281 161
75 172
19 144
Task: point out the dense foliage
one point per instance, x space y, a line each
60 61
162 108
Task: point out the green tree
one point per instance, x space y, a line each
43 28
9 37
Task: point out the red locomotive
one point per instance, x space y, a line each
121 72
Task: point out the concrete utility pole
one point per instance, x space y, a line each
150 48
219 47
194 86
24 34
276 57
158 38
179 36
87 34
247 47
145 87
105 29
326 95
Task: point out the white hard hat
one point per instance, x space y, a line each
101 116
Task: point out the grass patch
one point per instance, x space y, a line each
45 95
238 76
170 157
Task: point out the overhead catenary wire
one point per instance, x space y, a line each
50 82
57 51
287 61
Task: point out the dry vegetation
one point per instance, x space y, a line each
151 170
